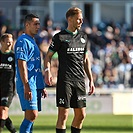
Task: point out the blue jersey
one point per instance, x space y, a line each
26 49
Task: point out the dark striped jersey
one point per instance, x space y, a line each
71 49
7 70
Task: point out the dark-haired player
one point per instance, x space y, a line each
29 80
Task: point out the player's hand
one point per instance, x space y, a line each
27 92
91 89
48 78
44 93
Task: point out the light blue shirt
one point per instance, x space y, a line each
26 49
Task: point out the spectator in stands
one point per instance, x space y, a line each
3 23
48 22
110 75
117 35
124 72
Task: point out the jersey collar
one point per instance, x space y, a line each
72 33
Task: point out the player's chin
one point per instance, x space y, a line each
78 27
36 31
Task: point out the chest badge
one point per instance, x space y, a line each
82 40
10 59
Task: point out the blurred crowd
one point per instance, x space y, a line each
111 50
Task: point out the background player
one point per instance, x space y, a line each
29 80
7 82
72 47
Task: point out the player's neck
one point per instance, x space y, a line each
5 50
71 29
28 33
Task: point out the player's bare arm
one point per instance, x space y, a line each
87 67
24 76
47 65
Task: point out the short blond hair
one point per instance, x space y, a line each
73 11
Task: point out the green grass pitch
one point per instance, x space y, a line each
94 123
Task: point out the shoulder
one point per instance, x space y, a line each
60 33
23 38
12 52
83 35
22 41
19 40
82 32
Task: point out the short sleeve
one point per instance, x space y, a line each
55 44
21 50
87 46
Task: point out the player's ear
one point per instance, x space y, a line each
69 19
26 24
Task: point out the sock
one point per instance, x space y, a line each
31 129
26 126
75 130
10 126
60 130
2 124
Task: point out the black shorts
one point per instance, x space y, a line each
6 99
71 94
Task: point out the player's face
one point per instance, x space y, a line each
7 43
77 21
34 26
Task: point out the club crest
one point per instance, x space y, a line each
10 59
82 40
